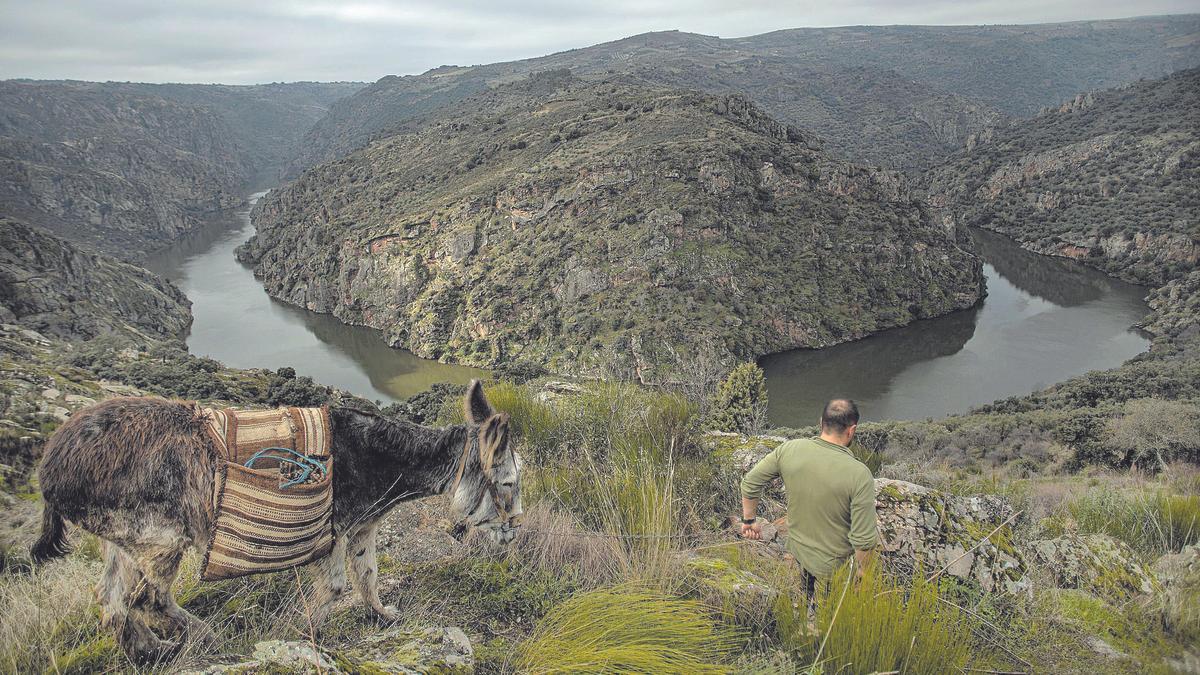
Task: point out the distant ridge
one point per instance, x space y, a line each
897 96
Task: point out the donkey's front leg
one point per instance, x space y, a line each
329 578
366 572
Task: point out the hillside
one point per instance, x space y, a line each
52 287
1109 178
128 168
268 121
583 225
896 96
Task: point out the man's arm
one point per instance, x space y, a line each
753 483
864 525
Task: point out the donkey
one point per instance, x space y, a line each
139 473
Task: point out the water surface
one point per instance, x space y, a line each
1044 320
237 323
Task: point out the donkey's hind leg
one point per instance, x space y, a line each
329 581
159 568
121 586
366 571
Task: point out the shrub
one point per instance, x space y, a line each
1152 432
627 629
740 402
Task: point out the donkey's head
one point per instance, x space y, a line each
487 492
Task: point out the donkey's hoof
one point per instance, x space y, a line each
388 614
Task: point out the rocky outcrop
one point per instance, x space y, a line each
1096 563
1176 308
1107 179
932 531
966 537
401 651
52 287
583 224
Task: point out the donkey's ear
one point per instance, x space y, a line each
493 440
476 408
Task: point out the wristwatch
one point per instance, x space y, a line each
749 521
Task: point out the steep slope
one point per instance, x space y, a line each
896 96
56 289
126 168
121 173
606 225
268 121
1110 178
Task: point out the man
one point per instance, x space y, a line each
831 496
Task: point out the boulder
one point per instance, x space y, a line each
930 530
399 650
743 592
920 528
1096 563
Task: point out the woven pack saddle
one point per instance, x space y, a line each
273 493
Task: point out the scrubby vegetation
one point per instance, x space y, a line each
1108 179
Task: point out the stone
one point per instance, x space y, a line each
1096 563
275 656
1174 569
51 393
398 650
930 530
441 650
742 591
78 400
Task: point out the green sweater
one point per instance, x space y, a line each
831 501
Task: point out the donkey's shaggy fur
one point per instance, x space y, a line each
139 473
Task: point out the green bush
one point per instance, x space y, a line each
740 401
627 629
1152 432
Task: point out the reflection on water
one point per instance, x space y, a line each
237 323
1044 320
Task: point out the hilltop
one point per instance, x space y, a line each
1108 178
895 96
574 223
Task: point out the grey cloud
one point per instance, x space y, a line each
248 41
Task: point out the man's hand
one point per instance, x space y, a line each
752 530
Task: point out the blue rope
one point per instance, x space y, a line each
306 463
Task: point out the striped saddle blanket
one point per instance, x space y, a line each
266 520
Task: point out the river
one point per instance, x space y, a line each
1044 320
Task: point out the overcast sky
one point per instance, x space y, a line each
248 41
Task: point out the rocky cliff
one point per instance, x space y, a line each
573 223
123 174
127 168
895 96
52 287
1108 178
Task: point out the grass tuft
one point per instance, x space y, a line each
627 629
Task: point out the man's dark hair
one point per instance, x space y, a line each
839 415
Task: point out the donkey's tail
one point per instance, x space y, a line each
53 541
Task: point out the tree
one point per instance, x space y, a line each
740 401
